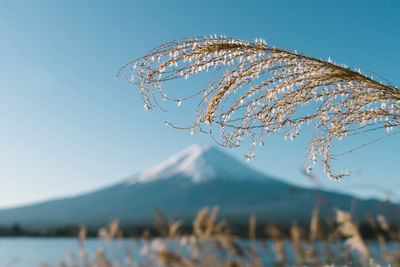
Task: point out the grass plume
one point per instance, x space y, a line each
256 90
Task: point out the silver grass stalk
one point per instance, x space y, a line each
256 90
350 230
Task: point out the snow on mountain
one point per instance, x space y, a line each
198 163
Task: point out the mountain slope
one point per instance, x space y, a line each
196 177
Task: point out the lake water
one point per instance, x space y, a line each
33 251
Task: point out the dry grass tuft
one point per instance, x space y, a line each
252 227
350 230
109 233
204 224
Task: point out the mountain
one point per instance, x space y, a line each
198 176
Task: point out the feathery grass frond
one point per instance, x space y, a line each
256 90
351 231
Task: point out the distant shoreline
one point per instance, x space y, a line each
136 232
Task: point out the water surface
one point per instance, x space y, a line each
30 252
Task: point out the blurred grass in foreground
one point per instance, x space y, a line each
336 243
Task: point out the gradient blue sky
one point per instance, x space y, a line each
67 125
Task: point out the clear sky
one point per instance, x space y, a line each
67 125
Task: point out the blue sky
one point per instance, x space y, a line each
67 125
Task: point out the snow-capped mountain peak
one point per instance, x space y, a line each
198 163
198 176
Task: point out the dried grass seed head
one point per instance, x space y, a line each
257 90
